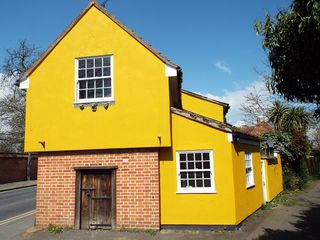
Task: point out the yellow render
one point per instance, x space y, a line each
140 115
197 209
201 106
274 180
249 199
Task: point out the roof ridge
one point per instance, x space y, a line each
76 20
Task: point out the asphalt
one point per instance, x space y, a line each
16 202
17 208
300 221
17 185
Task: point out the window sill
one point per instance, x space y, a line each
196 191
90 103
251 186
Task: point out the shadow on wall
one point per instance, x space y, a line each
307 226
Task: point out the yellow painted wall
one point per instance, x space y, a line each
202 107
274 181
247 200
197 209
141 112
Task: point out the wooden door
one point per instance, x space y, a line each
96 199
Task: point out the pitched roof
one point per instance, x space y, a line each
202 119
256 130
225 127
68 29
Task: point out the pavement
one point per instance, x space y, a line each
17 185
300 221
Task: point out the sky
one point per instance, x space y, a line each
214 42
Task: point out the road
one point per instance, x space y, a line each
16 202
16 211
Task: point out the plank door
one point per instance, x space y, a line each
96 200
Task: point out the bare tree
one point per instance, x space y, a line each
255 107
12 99
104 3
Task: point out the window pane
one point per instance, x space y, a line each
89 73
207 183
89 63
82 94
107 92
82 84
99 93
106 71
182 157
183 175
98 72
82 63
192 183
198 174
98 62
183 183
90 93
205 156
91 84
191 175
199 165
190 157
82 73
183 165
199 183
99 83
190 165
206 165
106 61
206 174
107 82
198 156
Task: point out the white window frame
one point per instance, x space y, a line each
210 189
249 173
93 100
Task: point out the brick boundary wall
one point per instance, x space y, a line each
137 186
14 167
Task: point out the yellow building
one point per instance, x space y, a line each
121 145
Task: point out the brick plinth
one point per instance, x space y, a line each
137 186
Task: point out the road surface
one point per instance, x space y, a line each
17 208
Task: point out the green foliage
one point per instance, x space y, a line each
288 119
290 179
281 143
284 198
54 229
291 40
290 140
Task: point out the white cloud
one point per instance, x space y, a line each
236 98
223 67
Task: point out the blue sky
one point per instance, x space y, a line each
213 41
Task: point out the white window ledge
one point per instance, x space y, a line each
97 102
196 191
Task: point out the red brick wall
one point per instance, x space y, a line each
137 186
13 167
